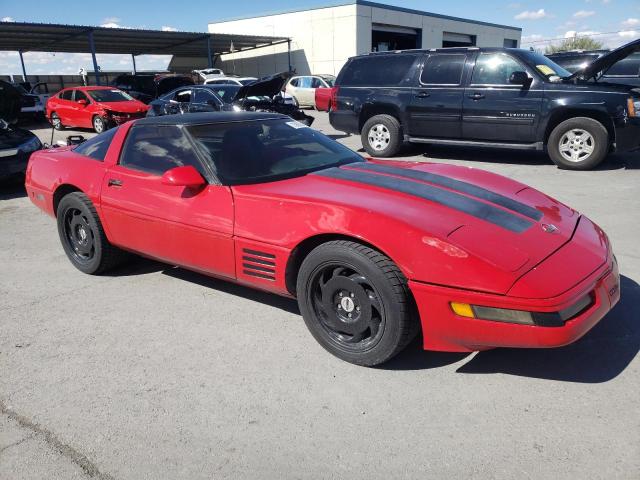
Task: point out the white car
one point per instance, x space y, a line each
230 81
303 88
209 73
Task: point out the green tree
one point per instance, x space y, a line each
574 43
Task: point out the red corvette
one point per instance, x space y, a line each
93 107
374 251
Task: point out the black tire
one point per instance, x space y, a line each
388 132
56 122
83 237
99 124
342 276
579 143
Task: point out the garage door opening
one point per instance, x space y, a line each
388 37
450 39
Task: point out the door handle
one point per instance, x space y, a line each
476 96
114 182
423 95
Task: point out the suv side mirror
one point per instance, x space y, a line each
186 176
519 78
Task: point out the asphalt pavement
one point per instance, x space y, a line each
155 372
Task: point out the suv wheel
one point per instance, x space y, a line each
382 136
579 143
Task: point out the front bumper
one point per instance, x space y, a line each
120 118
443 330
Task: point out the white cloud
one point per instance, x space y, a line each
631 22
166 28
532 15
7 19
583 13
629 34
111 25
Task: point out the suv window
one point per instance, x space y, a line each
158 148
378 70
316 83
66 95
294 82
494 69
443 69
304 82
628 67
97 146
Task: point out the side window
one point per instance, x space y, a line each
157 148
66 95
97 146
78 95
316 83
294 82
443 69
494 69
378 70
304 82
202 95
182 96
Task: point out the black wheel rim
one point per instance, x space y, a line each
347 307
79 235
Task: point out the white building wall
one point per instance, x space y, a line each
323 39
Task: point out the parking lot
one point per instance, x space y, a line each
156 372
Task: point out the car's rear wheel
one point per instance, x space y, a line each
56 122
579 143
382 136
356 303
99 124
83 237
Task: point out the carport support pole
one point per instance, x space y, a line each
92 46
133 59
209 59
24 71
289 52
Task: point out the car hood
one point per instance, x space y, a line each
266 86
13 137
9 102
463 220
125 107
606 61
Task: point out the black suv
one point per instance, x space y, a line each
625 71
497 97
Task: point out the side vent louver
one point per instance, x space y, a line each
258 264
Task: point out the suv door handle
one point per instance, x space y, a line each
114 182
423 95
476 96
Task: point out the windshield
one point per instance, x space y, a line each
267 150
113 95
544 65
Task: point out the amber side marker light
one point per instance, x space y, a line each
633 107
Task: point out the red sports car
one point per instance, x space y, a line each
374 251
93 107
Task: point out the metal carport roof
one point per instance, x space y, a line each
45 37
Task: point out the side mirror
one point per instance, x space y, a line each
82 102
183 177
519 78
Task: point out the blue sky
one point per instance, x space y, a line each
612 21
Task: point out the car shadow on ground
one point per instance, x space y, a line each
629 161
601 355
12 188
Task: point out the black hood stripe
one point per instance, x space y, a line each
456 201
458 185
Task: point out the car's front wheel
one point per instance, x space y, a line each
578 143
56 122
83 237
356 302
382 136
